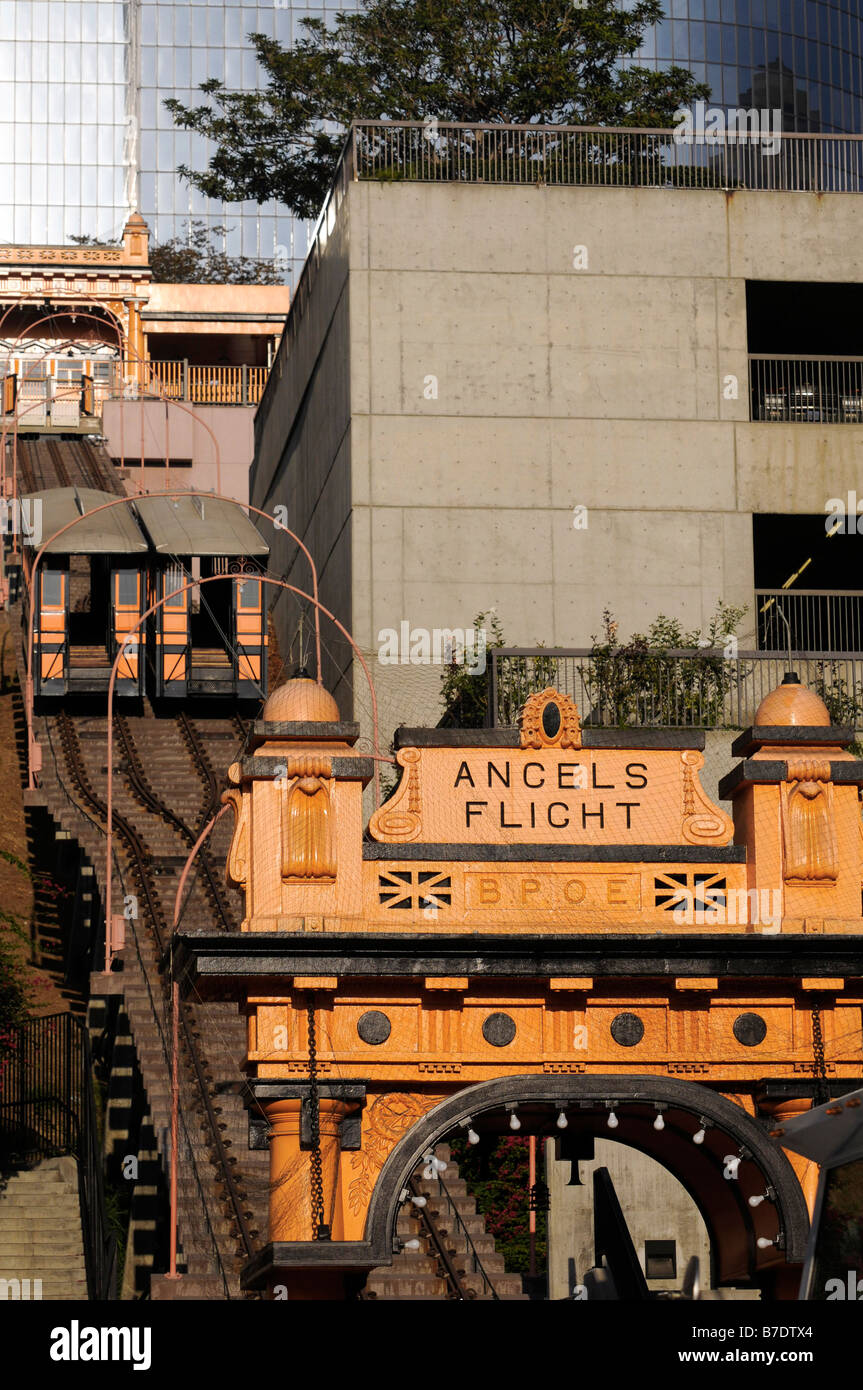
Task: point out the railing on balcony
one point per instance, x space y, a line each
696 688
453 151
810 620
806 390
183 381
66 395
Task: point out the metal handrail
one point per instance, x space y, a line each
799 357
478 1267
699 687
552 129
607 156
53 1053
452 1275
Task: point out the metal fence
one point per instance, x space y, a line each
699 688
806 389
47 1108
629 157
810 620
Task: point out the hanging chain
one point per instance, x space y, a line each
819 1070
320 1230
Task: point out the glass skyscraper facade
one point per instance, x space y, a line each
84 135
65 79
85 138
803 57
182 43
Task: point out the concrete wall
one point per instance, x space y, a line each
303 461
655 1205
554 387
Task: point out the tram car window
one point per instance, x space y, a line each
52 630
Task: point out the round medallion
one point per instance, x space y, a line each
498 1030
374 1027
750 1029
627 1030
551 720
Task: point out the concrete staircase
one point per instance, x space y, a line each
420 1274
40 1232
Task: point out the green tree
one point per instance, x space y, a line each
194 260
498 1179
485 61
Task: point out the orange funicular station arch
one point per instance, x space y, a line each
544 917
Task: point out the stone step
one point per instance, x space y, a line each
21 1266
398 1286
18 1246
18 1216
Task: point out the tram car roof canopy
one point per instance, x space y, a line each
831 1133
111 532
201 525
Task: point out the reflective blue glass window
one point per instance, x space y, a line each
799 7
714 46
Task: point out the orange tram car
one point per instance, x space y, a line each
95 582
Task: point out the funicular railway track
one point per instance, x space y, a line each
215 1202
148 798
167 783
49 463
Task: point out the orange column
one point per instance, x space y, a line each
805 1169
291 1172
135 345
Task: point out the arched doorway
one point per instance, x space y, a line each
721 1155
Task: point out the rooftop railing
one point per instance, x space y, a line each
623 157
698 688
434 151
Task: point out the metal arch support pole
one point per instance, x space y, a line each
184 589
175 1047
175 1121
188 864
